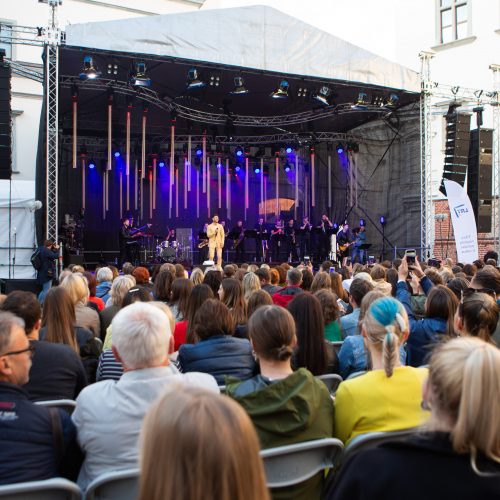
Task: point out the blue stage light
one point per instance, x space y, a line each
340 148
199 151
256 170
288 150
161 164
382 220
91 164
237 168
361 222
117 154
239 152
288 168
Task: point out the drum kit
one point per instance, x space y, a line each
168 251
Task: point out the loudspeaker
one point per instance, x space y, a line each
480 177
76 260
457 147
5 122
10 285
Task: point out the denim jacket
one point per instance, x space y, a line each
353 357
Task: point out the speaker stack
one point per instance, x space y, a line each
5 120
480 177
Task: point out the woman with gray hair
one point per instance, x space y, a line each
104 279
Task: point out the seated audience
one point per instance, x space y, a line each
217 440
339 290
56 371
95 302
142 278
231 294
357 290
264 276
293 280
217 351
477 315
251 283
321 281
460 451
307 279
104 279
257 299
286 406
196 276
36 442
213 279
387 398
182 333
162 289
109 414
437 325
86 317
181 290
311 350
331 314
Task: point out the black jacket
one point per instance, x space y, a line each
48 270
27 450
424 466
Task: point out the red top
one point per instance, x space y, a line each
180 333
98 302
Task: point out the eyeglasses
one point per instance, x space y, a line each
468 292
30 349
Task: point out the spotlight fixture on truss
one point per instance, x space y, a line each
361 102
89 71
282 91
138 77
392 101
322 95
240 152
112 69
214 79
194 80
302 92
239 86
287 167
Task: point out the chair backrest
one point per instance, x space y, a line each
336 345
123 485
64 404
49 489
371 439
295 463
332 381
356 374
222 389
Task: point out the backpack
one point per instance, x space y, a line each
36 260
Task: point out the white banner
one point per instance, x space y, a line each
464 223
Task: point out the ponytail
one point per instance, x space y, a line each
390 348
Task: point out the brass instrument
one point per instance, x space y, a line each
241 237
202 243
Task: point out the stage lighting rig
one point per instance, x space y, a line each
91 164
89 71
289 150
256 170
361 102
194 80
288 167
239 86
214 79
112 69
138 78
282 91
340 148
199 150
302 92
322 95
392 101
240 152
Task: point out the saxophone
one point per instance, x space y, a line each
202 243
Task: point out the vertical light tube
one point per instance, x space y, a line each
136 186
329 181
219 182
142 195
104 195
189 163
107 189
75 132
172 155
204 162
110 133
185 183
127 141
265 198
143 142
176 172
121 194
155 160
207 180
246 184
228 189
197 193
150 195
83 182
277 193
313 178
296 183
261 185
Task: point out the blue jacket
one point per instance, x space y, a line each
48 270
26 439
353 356
102 290
424 333
219 356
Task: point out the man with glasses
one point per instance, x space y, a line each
28 432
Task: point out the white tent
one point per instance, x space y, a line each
255 37
17 205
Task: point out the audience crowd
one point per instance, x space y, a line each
175 370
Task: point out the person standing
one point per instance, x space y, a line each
260 241
49 253
239 242
358 254
276 234
324 237
126 240
344 241
305 238
215 233
291 241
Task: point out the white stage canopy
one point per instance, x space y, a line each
256 37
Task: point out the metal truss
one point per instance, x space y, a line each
220 118
22 35
495 68
426 220
25 71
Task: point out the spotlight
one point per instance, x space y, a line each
139 77
362 222
382 220
214 80
322 95
340 148
288 168
112 69
219 165
335 226
239 86
392 102
361 102
289 150
161 164
237 168
378 100
117 154
239 152
256 170
89 71
199 151
282 91
302 92
194 82
91 164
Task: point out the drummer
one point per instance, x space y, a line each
171 236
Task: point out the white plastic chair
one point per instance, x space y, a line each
118 485
332 381
295 463
64 404
356 374
49 489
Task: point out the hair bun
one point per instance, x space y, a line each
284 352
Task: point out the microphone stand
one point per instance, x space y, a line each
14 255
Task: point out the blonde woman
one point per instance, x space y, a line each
321 281
197 276
388 397
78 290
251 283
192 431
460 451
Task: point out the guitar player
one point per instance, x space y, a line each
344 241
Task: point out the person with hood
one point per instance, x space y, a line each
286 407
440 307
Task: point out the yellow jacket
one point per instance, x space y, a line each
215 240
374 402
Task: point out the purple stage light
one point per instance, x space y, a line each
237 168
256 170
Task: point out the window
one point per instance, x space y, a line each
5 35
453 20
